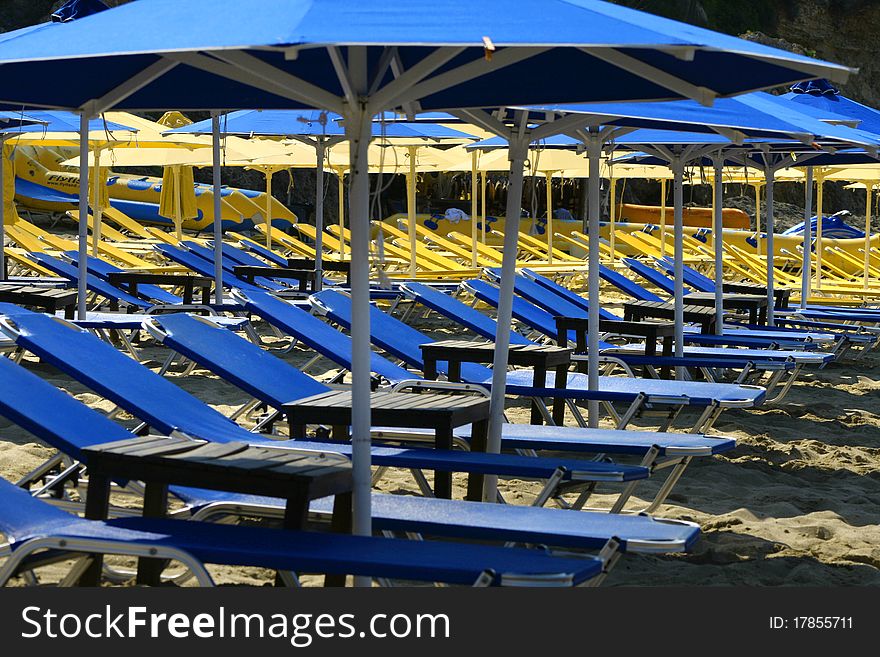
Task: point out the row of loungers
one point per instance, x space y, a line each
65 423
212 342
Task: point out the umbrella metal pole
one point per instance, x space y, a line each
594 152
178 211
319 215
2 211
663 217
717 241
549 226
820 188
612 216
869 196
474 155
83 244
411 208
483 207
218 190
806 270
340 173
518 151
358 132
758 218
269 172
96 203
768 192
678 255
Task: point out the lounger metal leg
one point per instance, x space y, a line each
631 412
668 485
40 471
422 482
549 488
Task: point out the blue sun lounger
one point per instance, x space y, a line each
734 334
816 317
549 301
33 527
543 437
272 381
713 364
95 284
63 422
759 337
314 333
168 409
750 360
404 342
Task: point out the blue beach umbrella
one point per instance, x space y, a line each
358 59
751 122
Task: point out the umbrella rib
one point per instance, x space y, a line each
702 95
466 72
299 91
405 78
129 87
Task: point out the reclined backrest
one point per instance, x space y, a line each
391 334
652 275
691 276
229 265
627 286
115 376
236 360
103 269
53 415
314 333
457 311
94 283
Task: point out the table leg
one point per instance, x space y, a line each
650 351
341 524
149 571
188 292
97 507
479 437
206 295
296 431
443 480
70 311
430 369
561 381
668 346
453 371
296 512
539 381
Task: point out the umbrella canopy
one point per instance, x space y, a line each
823 97
359 59
59 128
637 55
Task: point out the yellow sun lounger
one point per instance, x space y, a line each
285 241
425 257
21 257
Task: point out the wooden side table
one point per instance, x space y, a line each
297 476
635 311
47 299
650 331
541 358
440 412
129 281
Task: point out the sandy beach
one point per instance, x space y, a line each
794 504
